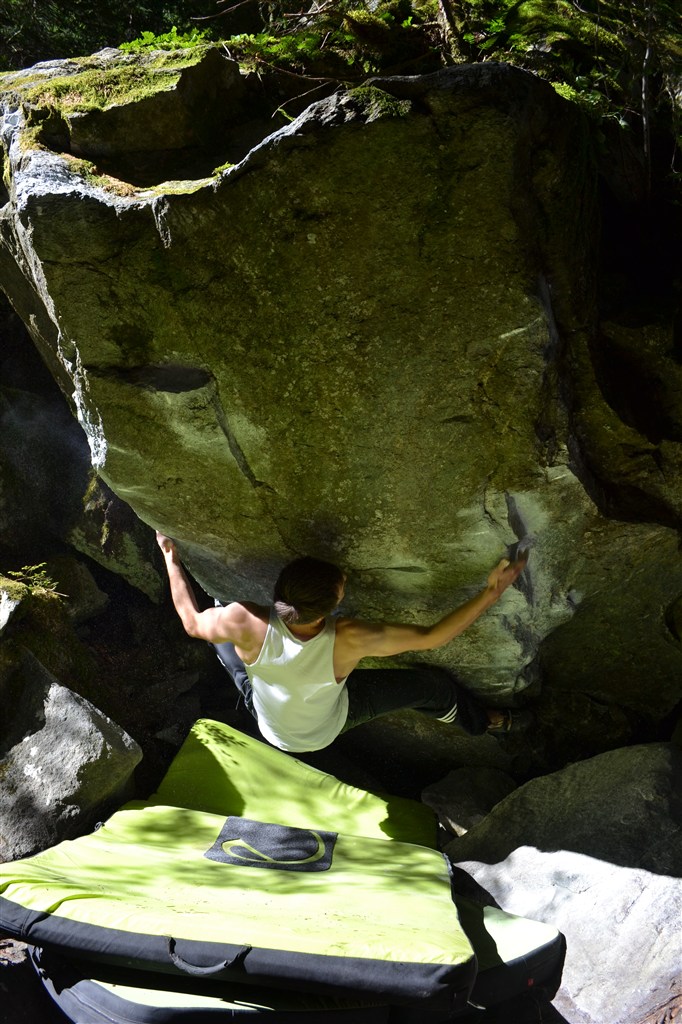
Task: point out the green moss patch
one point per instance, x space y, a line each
97 85
376 103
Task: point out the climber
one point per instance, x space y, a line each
296 665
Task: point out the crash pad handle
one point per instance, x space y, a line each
195 970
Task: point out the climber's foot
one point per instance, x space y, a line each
508 720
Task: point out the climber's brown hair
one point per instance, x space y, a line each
307 589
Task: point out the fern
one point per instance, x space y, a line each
172 40
35 577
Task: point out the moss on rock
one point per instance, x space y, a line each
376 103
96 82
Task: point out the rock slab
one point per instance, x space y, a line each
63 764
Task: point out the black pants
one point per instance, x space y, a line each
378 691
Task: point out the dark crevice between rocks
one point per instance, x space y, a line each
618 499
639 383
636 350
669 729
149 676
21 366
27 714
673 619
4 194
641 265
43 451
640 271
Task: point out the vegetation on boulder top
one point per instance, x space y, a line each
618 60
33 31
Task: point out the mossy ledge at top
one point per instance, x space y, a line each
140 119
102 80
167 121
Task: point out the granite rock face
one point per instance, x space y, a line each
64 764
369 337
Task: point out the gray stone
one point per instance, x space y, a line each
622 929
83 599
595 850
63 763
40 624
409 751
382 194
159 100
195 95
623 807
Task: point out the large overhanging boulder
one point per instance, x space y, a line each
362 338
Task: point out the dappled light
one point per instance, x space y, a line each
160 862
221 771
365 318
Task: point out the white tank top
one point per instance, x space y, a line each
299 704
